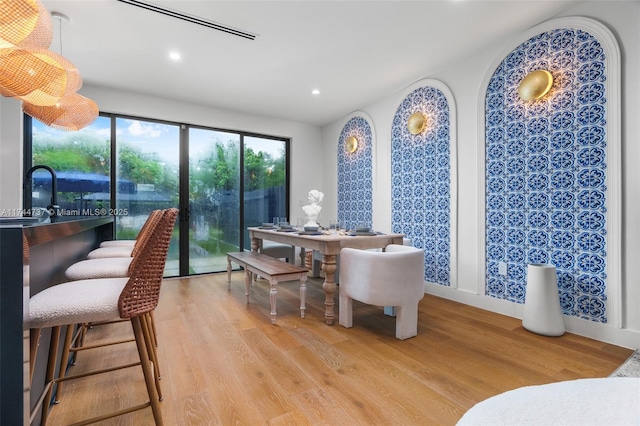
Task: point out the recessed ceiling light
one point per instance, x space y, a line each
174 56
315 91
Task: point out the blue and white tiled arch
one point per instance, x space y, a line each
423 179
547 170
355 179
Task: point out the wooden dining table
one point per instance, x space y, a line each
329 245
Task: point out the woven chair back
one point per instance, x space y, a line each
25 249
146 230
142 292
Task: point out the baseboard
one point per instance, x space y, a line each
602 332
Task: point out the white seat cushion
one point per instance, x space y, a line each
76 302
601 401
118 243
110 252
113 267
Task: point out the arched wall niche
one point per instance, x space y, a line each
355 172
424 178
550 185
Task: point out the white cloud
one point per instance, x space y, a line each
136 128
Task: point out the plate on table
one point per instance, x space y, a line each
267 227
364 234
310 233
287 230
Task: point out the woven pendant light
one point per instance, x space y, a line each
38 76
25 23
72 112
21 72
42 34
45 81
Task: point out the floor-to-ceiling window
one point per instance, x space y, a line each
146 177
82 162
265 181
222 181
214 203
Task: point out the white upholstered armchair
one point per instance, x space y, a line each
394 277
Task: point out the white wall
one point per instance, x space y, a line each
306 147
464 79
10 155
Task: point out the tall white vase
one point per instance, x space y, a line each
542 312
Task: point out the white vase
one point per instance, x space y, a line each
542 312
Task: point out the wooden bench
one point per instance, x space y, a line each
273 270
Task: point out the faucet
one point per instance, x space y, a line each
53 207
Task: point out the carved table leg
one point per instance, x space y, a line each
303 256
303 295
329 286
228 273
255 246
273 296
247 282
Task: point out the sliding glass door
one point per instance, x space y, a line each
147 177
222 181
265 181
217 219
214 199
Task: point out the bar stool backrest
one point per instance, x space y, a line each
142 292
146 230
25 250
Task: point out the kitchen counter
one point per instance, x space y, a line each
63 226
34 256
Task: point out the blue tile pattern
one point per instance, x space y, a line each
355 183
420 180
545 172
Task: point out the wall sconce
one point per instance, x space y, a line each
416 123
351 144
535 85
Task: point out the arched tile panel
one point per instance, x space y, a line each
355 183
421 173
546 168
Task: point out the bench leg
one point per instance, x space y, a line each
228 273
247 282
303 294
273 295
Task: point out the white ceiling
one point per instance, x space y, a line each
354 52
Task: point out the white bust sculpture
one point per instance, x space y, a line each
312 210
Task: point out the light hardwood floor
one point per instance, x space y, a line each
223 363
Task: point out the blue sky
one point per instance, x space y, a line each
160 138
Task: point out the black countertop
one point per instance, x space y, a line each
61 226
